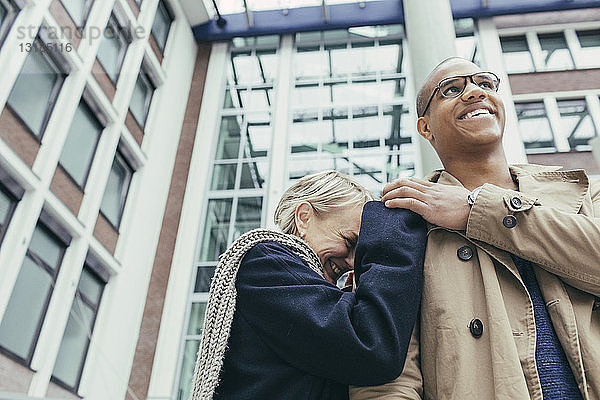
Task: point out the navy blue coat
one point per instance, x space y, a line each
296 336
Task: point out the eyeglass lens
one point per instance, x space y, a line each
454 86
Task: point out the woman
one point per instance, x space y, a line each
294 333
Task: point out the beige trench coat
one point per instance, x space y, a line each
558 228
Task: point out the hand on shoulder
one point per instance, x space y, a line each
439 204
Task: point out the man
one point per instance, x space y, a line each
510 306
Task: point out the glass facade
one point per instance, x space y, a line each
349 106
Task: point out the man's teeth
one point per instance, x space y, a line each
481 111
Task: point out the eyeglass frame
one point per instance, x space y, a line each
438 87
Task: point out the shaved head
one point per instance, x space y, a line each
425 91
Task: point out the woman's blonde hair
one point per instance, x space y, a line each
325 191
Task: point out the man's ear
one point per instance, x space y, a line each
424 130
304 212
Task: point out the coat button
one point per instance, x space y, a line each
516 202
509 221
476 328
465 253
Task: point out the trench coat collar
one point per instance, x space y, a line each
562 190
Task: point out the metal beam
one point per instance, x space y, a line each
346 15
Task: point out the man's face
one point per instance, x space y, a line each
465 123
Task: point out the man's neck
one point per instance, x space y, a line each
473 172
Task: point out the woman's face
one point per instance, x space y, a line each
333 237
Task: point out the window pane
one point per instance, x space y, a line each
78 151
5 206
90 286
140 99
161 25
196 319
251 69
589 54
534 125
32 94
216 229
25 309
229 138
116 191
109 52
75 8
46 247
254 174
258 141
555 51
248 215
73 347
223 177
203 278
576 121
516 54
187 369
311 63
466 47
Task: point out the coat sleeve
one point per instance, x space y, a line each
409 385
359 337
565 244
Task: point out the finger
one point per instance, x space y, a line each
408 203
411 182
405 192
422 182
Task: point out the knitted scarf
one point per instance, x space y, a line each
221 304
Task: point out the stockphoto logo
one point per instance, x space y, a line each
67 33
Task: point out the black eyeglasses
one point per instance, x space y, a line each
454 86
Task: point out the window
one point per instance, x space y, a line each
113 47
116 190
161 25
515 52
576 122
534 125
190 348
78 10
36 89
8 12
80 325
555 51
80 145
141 98
349 110
27 306
589 54
10 194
